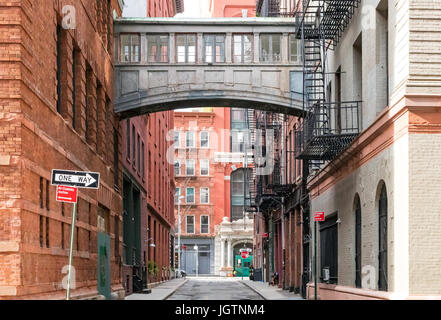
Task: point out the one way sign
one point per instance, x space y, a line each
79 179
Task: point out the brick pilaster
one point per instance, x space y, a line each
101 125
91 108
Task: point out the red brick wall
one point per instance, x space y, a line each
35 139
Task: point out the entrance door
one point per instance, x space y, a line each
242 266
104 264
204 263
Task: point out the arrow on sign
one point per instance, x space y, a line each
77 179
86 180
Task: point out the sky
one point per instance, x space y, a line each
192 8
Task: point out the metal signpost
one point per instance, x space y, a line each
318 216
67 183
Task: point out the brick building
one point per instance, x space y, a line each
57 113
148 179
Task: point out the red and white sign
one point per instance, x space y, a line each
319 216
265 235
244 254
67 194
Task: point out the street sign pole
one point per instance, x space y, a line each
72 231
315 260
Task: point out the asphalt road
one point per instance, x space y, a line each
212 288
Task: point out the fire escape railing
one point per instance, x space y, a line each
327 127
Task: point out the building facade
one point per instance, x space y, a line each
148 185
57 113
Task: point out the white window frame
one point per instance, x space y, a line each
186 195
174 167
186 140
298 55
208 167
178 143
187 161
200 195
179 194
186 224
208 139
208 224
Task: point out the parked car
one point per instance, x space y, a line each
180 273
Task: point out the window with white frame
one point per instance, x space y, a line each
189 195
295 51
205 224
189 224
177 168
204 166
186 48
177 137
214 48
242 48
204 139
270 47
205 195
189 167
177 194
189 139
130 44
157 48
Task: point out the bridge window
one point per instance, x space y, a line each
186 48
214 48
157 48
130 44
242 46
295 51
204 224
270 48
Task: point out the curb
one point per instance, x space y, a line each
174 290
255 290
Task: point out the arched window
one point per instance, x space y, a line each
382 249
357 207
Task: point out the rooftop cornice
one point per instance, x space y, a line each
208 21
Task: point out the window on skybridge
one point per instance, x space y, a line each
270 47
157 48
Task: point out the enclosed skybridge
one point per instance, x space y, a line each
168 63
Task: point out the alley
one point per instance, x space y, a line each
214 288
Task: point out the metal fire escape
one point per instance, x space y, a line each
250 174
327 127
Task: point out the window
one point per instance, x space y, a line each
177 137
295 49
138 147
186 48
382 254
143 160
74 87
242 48
189 195
204 139
357 242
189 224
157 48
41 231
47 232
189 139
128 138
205 227
329 248
177 195
177 168
189 167
116 248
205 195
270 48
59 31
130 47
214 48
116 156
205 165
133 147
237 184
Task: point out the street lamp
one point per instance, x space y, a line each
197 259
179 231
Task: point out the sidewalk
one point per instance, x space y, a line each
160 292
271 292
